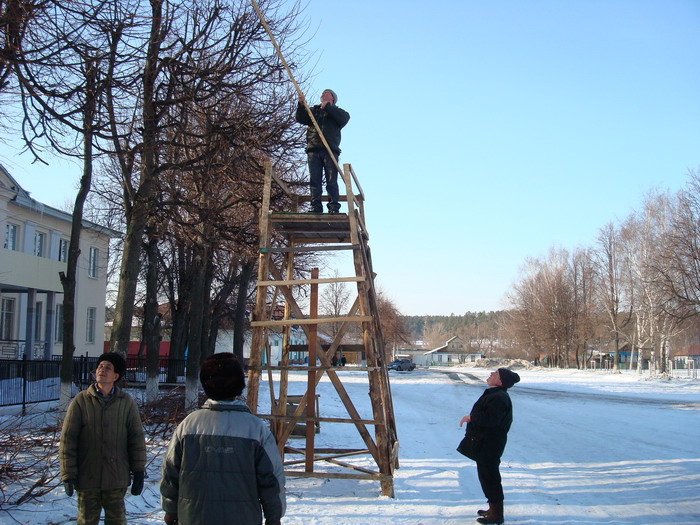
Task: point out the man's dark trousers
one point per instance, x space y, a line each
490 479
319 162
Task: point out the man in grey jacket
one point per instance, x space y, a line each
222 466
102 445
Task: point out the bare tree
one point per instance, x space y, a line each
657 321
394 329
612 300
62 68
545 307
681 250
335 302
210 81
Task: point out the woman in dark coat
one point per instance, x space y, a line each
488 424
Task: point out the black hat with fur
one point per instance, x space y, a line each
117 361
222 376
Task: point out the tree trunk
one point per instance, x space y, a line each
151 321
241 302
137 217
68 280
196 325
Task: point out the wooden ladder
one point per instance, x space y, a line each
283 236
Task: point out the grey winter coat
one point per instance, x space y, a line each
221 466
102 440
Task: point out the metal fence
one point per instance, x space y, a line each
24 381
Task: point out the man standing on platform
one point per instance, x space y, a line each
330 119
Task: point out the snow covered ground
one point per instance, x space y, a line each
586 448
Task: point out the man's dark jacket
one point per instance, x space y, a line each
491 417
331 119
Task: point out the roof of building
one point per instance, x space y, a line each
24 200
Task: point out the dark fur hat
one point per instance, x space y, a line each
508 378
222 376
117 361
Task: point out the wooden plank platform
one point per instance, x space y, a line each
312 227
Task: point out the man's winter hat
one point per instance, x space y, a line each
117 361
222 376
335 97
508 378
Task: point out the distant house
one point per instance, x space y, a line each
297 336
688 358
455 351
224 342
33 254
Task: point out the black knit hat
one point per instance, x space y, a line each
222 376
117 361
508 378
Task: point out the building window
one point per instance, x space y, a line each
7 319
59 323
37 322
90 329
63 250
39 244
92 263
11 236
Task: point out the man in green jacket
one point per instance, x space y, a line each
102 445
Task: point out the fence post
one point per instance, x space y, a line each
83 370
24 384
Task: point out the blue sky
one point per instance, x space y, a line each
486 132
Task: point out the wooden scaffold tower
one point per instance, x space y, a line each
282 237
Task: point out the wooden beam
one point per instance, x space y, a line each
305 321
301 249
320 419
343 451
324 280
336 475
296 368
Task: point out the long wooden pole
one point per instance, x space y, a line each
296 85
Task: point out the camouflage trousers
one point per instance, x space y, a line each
91 503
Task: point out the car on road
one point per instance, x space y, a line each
402 365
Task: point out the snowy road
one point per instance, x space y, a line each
585 448
597 454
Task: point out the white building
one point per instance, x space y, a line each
224 342
33 253
453 352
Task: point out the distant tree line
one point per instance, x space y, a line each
635 290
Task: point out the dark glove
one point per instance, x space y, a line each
273 522
69 486
170 519
137 484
